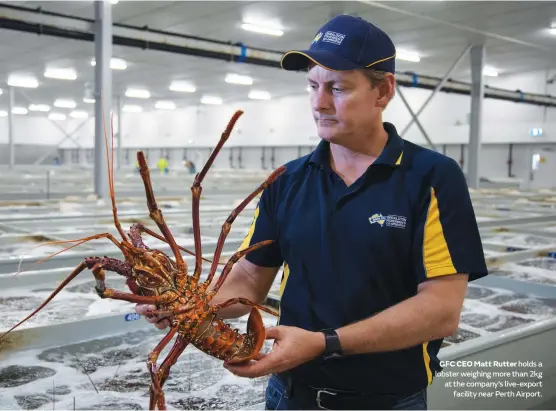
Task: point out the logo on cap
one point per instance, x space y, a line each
333 37
317 37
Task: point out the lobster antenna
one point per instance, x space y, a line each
79 241
112 161
111 174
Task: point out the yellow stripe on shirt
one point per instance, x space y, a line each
247 241
427 360
436 255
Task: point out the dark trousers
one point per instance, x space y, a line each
283 394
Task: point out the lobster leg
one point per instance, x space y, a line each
140 228
177 349
110 264
228 224
156 389
155 212
245 301
117 266
196 191
104 292
229 264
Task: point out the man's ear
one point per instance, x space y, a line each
386 90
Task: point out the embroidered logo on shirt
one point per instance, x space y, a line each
378 219
390 220
333 37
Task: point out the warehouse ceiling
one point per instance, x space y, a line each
516 35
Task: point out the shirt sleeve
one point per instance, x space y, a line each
263 228
447 239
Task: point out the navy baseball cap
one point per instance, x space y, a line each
345 43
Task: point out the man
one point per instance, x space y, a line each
377 236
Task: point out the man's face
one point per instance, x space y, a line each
344 104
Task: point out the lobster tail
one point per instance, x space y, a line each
219 340
253 340
255 333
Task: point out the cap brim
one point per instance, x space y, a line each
300 59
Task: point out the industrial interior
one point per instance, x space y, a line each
474 82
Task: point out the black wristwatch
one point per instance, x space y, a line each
333 349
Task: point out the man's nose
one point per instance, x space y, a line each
322 100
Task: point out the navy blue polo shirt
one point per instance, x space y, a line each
351 252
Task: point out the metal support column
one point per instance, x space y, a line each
119 153
11 149
475 120
103 92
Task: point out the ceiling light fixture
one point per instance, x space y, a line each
137 93
39 107
23 81
408 56
259 95
79 114
238 79
115 63
165 105
262 30
3 113
19 110
211 100
489 71
88 100
57 116
182 86
132 109
62 103
61 73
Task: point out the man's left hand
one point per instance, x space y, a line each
292 346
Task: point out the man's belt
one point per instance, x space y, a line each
332 399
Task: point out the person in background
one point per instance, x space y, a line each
163 165
377 238
192 168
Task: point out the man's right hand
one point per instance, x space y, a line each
159 322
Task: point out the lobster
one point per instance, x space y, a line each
154 278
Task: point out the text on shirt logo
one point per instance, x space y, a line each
391 220
333 37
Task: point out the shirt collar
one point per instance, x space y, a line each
391 155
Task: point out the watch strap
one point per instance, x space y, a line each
333 348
